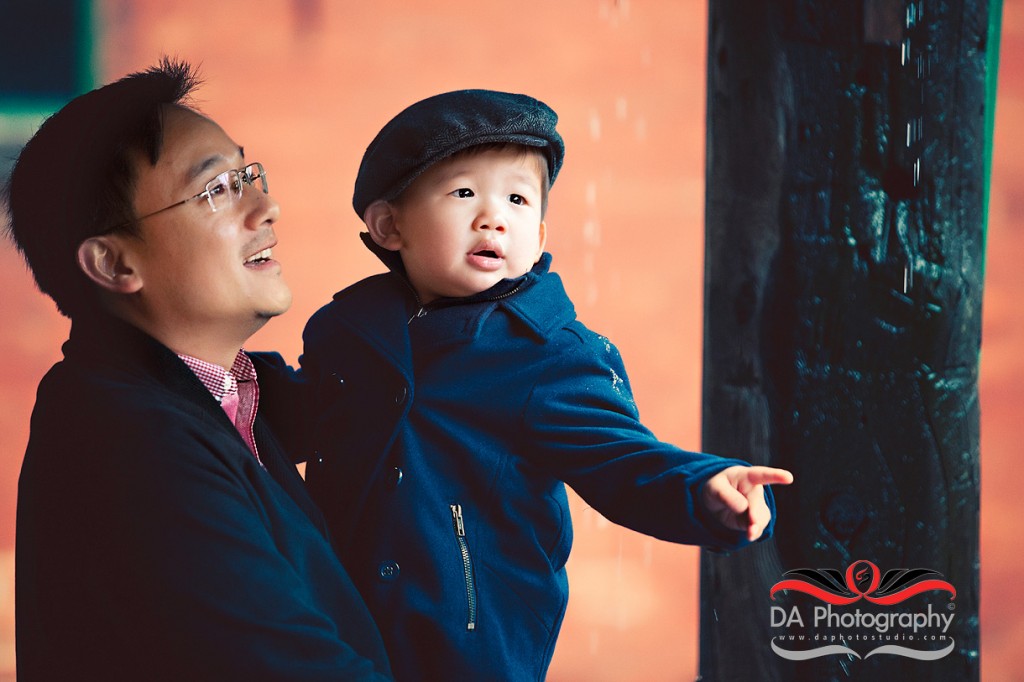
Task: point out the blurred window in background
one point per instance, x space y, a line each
46 58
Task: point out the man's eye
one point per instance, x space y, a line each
517 199
463 193
216 188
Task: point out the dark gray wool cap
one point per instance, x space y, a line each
439 126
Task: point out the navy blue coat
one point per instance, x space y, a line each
151 545
443 440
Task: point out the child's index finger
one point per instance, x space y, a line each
760 475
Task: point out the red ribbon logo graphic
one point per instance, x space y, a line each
863 581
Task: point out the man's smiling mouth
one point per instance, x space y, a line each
260 257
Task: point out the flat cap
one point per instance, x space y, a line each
439 126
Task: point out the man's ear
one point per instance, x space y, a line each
380 222
103 260
543 240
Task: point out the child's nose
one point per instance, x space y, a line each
490 218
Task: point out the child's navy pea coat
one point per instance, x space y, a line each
442 443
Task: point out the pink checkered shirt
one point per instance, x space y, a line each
236 390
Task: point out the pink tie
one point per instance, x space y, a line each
230 405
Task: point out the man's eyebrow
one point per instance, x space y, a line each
206 164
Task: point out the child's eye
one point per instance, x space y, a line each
463 193
517 199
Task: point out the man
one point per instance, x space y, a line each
162 533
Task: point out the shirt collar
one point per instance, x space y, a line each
217 380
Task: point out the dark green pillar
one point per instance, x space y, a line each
846 189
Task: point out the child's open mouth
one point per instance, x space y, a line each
489 257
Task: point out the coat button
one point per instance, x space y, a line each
388 571
402 394
338 378
395 478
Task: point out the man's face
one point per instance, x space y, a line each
200 269
470 221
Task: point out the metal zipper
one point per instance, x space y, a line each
419 313
424 308
506 294
421 308
467 564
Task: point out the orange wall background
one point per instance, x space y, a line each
304 85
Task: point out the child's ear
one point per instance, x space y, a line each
542 241
105 260
380 222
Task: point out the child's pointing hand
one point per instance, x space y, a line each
735 497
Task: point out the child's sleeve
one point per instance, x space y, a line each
583 427
285 403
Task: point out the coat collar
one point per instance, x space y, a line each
115 348
104 340
537 298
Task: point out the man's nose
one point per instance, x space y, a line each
261 208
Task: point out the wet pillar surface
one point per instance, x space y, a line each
844 259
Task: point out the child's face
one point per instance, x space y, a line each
470 221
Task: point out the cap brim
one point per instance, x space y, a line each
476 140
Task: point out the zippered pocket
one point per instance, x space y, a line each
467 565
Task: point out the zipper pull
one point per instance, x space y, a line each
419 313
460 528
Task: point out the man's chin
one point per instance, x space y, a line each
277 307
269 312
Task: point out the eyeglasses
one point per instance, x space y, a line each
220 192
